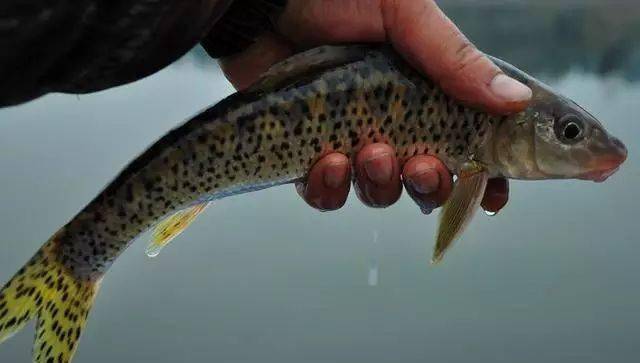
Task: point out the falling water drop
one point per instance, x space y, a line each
372 277
490 213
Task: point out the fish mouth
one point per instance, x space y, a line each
599 176
607 166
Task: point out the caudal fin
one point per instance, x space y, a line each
45 290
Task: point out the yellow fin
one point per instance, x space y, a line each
170 228
460 208
44 289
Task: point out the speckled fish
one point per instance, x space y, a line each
324 100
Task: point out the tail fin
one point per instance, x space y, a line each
44 288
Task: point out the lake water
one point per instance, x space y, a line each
264 278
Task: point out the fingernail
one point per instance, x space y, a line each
379 168
335 175
509 89
424 180
318 204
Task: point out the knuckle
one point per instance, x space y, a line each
394 13
465 56
389 7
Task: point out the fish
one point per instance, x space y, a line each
327 99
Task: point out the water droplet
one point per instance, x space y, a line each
427 207
374 257
426 211
153 250
373 276
490 213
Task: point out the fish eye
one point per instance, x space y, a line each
570 129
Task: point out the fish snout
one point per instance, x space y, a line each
607 164
620 150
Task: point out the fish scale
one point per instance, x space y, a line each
328 99
257 139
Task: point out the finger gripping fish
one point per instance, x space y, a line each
329 99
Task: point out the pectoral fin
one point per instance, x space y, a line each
460 208
171 227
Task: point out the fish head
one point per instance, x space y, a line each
571 143
555 138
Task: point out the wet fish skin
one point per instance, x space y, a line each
253 141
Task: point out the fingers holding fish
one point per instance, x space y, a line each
418 30
377 176
377 180
496 195
327 185
427 181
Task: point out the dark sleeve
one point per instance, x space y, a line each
243 22
91 45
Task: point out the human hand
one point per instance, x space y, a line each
423 34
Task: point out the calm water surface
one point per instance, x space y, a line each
263 278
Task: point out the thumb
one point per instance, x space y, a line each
432 42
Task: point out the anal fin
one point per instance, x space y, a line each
168 229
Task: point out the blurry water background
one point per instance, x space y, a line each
264 278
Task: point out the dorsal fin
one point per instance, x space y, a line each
308 63
172 226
